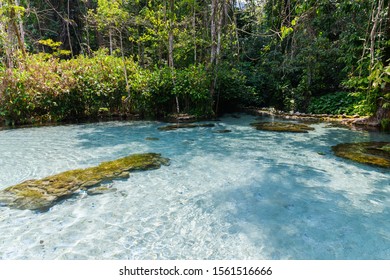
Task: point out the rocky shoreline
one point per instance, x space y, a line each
354 122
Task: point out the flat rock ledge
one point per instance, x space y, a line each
371 153
282 127
44 193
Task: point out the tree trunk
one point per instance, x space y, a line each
236 30
213 32
194 30
124 65
21 28
382 111
170 47
6 44
67 28
386 51
213 51
110 40
16 32
219 31
376 17
221 12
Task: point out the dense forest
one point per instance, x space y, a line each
69 60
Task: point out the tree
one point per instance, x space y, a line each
11 30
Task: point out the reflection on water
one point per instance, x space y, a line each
246 194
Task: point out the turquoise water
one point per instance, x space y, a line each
247 194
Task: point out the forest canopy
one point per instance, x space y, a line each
79 59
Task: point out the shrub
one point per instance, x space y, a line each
192 86
45 88
335 103
385 124
233 90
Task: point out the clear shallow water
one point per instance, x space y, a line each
247 194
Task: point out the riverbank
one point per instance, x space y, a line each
354 122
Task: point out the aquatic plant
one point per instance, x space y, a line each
44 193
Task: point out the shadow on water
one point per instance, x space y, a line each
287 219
118 133
134 138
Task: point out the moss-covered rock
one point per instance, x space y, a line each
386 148
42 194
372 153
282 127
184 125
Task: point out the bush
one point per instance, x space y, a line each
335 103
45 88
192 86
30 92
385 124
233 90
153 93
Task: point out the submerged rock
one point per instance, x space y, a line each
372 153
44 193
282 127
222 131
180 118
184 125
101 190
152 139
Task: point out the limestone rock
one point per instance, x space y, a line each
44 193
372 153
152 139
184 125
222 131
282 127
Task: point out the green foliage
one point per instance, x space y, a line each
335 104
385 125
192 88
48 89
159 92
370 87
311 49
286 54
233 89
153 92
55 47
